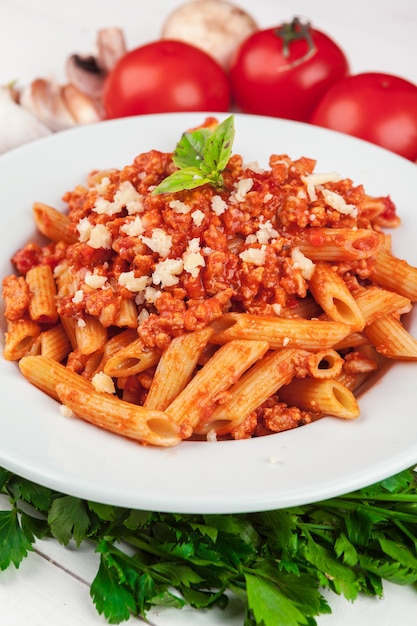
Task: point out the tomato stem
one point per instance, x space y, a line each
293 31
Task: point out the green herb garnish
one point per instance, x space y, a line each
201 156
274 563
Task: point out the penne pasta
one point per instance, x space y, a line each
119 417
90 335
395 274
53 223
216 377
42 305
327 397
338 244
54 343
46 373
253 388
19 338
391 339
176 367
131 359
280 332
332 294
375 302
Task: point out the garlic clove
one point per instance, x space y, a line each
83 109
44 99
216 26
17 125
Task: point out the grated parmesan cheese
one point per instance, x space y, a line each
338 203
152 294
242 188
65 411
218 205
313 180
197 217
127 196
266 232
300 261
179 207
103 185
133 228
256 256
78 296
95 281
84 227
103 382
166 272
193 260
159 242
100 237
131 282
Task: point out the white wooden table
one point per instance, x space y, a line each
52 585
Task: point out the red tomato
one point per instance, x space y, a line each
284 71
377 107
165 76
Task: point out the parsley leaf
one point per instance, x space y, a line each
273 563
15 543
201 155
68 518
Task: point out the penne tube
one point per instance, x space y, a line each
46 373
249 392
339 244
332 294
54 343
280 332
69 324
120 417
327 397
42 305
19 338
90 335
395 274
375 302
391 339
131 359
226 366
115 343
325 364
355 340
176 367
52 223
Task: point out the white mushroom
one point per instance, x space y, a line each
111 46
88 72
216 26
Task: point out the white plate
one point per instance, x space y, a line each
314 462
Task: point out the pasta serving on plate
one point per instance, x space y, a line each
213 311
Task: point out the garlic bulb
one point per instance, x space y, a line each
17 125
59 106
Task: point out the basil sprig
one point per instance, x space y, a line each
201 155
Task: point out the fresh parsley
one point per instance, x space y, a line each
201 155
276 562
